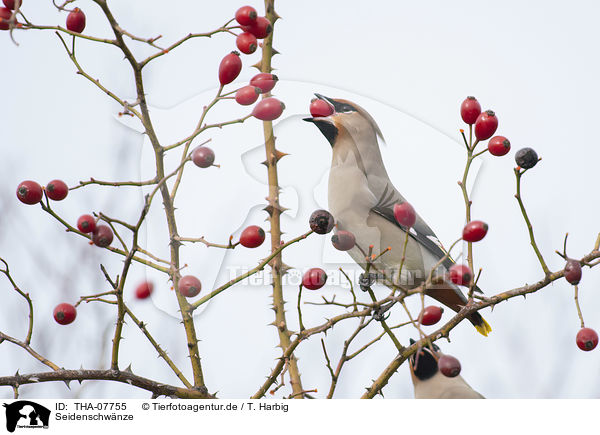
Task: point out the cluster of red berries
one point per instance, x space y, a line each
254 27
29 192
486 124
6 13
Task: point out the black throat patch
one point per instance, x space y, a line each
329 130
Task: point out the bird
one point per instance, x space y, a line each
429 383
361 199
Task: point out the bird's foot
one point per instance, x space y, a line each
366 280
379 312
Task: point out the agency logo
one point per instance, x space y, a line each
26 414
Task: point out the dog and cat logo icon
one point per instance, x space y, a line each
26 414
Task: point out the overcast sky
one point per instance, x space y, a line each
410 64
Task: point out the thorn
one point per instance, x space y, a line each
274 52
258 65
128 369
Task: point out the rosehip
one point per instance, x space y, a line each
102 236
203 157
247 95
460 274
144 290
252 236
260 28
470 110
405 214
230 68
57 190
343 240
486 125
11 4
474 231
314 278
526 158
86 223
65 313
431 315
264 81
449 366
29 192
320 108
189 286
246 43
246 15
5 15
498 146
321 221
587 339
76 21
268 109
573 271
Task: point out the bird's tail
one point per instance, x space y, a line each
480 324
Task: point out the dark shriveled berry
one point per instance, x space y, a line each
449 366
573 271
526 158
321 221
343 240
102 236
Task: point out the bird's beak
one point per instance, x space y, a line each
321 97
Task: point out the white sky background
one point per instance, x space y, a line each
410 65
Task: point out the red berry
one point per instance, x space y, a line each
86 223
321 221
246 15
246 43
57 190
65 313
260 28
314 278
405 214
247 95
587 339
268 109
486 125
470 110
573 271
144 290
264 81
11 4
449 366
230 68
189 286
252 236
5 15
499 145
474 231
203 157
29 192
102 236
320 108
460 274
343 240
431 315
76 21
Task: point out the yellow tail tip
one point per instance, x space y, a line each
484 329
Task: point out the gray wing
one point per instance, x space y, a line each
419 232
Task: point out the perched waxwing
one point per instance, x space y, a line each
362 198
429 383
